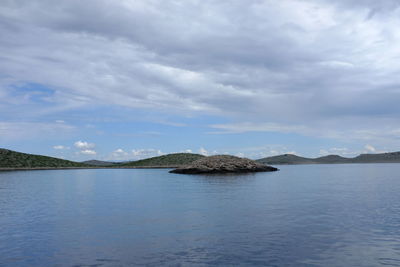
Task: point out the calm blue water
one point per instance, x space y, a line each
311 215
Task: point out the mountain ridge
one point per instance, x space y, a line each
290 159
13 160
100 163
18 160
169 161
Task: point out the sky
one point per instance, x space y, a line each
130 79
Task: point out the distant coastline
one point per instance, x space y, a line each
84 168
290 159
17 161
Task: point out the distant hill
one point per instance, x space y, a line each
13 159
16 160
170 160
100 163
331 159
286 159
392 157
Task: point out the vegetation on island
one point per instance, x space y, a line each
170 160
100 163
13 159
285 159
16 160
391 157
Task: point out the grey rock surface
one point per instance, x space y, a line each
223 164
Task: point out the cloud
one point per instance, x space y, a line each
60 147
205 152
136 154
365 130
88 152
84 145
119 154
146 153
120 151
253 152
290 66
85 148
370 148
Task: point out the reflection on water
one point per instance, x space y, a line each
311 215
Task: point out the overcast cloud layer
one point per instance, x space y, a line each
313 68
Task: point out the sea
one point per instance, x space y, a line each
302 215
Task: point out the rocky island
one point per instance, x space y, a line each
223 164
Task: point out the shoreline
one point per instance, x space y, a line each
333 163
79 168
168 167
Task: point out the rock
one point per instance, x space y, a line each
223 164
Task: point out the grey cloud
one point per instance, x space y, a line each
293 62
383 5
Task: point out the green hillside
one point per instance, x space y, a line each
13 159
100 163
331 159
170 160
286 159
391 157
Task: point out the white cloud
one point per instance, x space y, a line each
370 148
323 152
136 154
85 148
255 152
88 152
146 153
120 151
342 130
119 155
84 145
203 151
60 147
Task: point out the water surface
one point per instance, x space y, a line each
309 215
